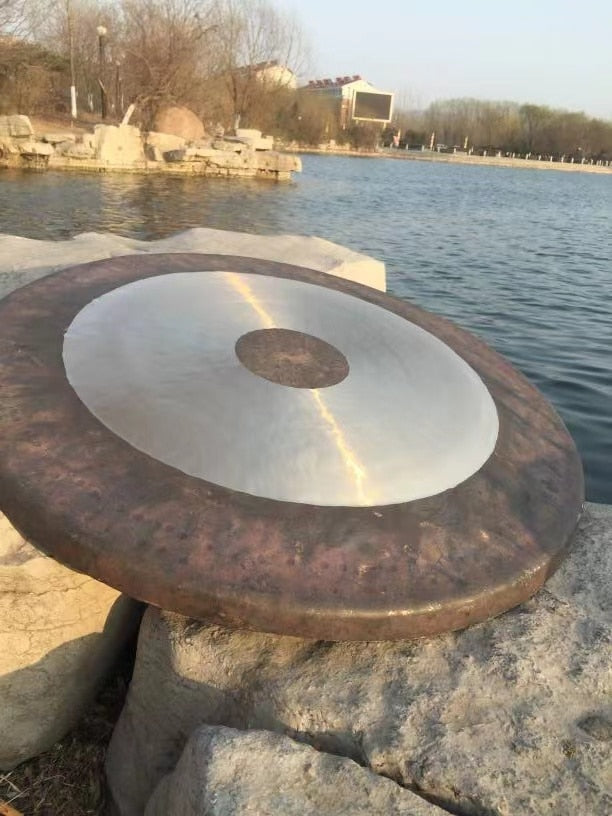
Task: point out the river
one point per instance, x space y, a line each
523 258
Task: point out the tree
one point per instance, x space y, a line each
165 52
257 51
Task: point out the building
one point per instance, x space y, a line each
354 99
270 73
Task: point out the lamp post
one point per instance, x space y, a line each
101 44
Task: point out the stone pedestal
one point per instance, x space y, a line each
513 716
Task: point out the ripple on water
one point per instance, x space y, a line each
521 257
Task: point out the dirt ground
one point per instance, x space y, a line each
68 780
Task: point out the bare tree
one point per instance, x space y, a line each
258 51
164 50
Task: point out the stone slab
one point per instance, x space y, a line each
510 717
23 260
224 772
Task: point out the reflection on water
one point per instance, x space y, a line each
521 257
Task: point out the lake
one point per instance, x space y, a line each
522 258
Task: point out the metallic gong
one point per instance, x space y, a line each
274 448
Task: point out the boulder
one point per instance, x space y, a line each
224 772
16 126
179 121
60 632
512 716
119 146
30 148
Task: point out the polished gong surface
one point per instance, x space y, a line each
273 448
173 365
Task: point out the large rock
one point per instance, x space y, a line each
23 260
179 121
223 772
511 717
60 632
119 146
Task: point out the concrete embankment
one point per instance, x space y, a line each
458 158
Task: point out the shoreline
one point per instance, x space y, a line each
454 158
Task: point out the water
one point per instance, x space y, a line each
521 257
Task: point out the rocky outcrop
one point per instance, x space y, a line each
512 716
223 772
179 121
124 147
60 633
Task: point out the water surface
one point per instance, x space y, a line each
521 257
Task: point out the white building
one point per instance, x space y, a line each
357 99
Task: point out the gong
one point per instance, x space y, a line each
274 448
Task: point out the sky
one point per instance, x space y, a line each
550 53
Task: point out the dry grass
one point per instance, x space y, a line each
68 780
50 123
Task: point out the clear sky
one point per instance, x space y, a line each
550 52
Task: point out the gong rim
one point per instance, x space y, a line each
87 497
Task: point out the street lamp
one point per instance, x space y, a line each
101 30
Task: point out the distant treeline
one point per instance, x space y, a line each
219 57
509 127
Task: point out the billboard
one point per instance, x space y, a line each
373 107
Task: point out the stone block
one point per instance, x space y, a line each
118 146
60 633
512 716
224 772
